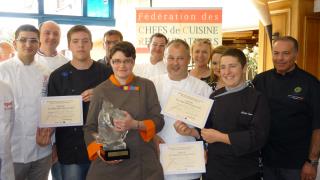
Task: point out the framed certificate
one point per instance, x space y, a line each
59 111
189 108
182 158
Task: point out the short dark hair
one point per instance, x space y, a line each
237 53
113 32
158 35
78 28
179 42
125 47
289 39
28 28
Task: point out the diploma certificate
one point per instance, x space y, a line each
59 111
182 158
189 108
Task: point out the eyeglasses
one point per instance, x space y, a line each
125 61
30 40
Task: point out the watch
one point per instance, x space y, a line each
313 162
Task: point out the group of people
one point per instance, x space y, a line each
276 119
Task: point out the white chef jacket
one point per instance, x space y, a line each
28 84
6 125
51 62
149 70
164 85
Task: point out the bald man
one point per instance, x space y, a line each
49 40
6 51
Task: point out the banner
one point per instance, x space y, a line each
183 23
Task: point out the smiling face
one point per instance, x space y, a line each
157 47
49 36
177 58
26 45
215 61
231 71
80 45
121 65
284 56
201 54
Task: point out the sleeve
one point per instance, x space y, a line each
255 136
52 85
154 121
6 129
91 126
315 105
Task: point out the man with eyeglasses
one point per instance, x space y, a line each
177 56
156 65
110 38
77 77
28 79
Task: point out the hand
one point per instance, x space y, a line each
182 128
308 172
87 95
211 135
43 136
125 124
108 162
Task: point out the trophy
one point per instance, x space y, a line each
113 145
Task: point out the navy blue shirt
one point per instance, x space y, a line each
64 81
294 103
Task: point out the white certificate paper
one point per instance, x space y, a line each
189 108
182 158
60 111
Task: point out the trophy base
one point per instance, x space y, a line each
110 155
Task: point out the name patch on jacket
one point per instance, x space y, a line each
246 113
8 105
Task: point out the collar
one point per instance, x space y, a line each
42 54
287 74
114 80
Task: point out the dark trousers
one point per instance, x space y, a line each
270 173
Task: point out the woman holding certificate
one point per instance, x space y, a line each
137 99
237 126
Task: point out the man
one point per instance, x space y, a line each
110 38
293 147
6 51
177 55
28 79
49 40
156 65
6 125
48 56
77 77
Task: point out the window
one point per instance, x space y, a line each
86 12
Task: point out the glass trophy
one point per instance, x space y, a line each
113 145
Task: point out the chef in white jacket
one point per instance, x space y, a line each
6 124
30 145
177 55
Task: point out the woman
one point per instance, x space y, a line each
200 52
237 126
215 70
138 99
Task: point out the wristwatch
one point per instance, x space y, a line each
313 162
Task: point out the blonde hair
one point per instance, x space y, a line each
217 50
202 41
